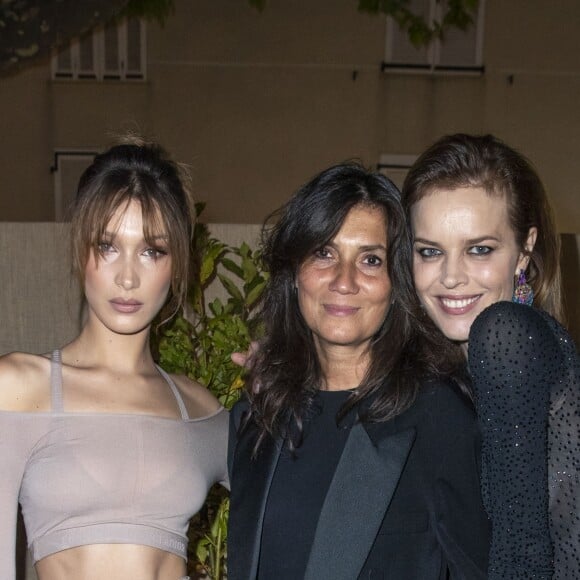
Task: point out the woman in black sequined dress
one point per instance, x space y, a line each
482 224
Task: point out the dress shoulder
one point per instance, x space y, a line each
513 342
198 399
503 320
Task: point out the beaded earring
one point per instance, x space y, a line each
523 292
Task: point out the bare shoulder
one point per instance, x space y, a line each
24 382
199 401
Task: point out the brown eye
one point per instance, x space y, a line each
373 260
322 253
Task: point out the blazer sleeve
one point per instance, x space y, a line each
236 415
460 522
514 359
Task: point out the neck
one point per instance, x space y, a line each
97 346
342 368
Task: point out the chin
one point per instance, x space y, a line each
455 328
456 334
459 338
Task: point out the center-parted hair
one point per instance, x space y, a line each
286 373
143 173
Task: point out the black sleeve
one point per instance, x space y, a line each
513 359
236 415
462 526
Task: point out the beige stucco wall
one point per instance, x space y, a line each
256 103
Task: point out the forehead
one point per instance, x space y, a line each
466 209
364 221
131 217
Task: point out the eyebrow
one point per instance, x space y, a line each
366 248
472 241
113 235
373 247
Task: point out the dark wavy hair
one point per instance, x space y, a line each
144 173
285 373
484 161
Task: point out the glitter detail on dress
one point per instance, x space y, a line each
526 377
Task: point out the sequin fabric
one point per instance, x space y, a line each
526 378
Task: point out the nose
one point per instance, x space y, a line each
453 272
344 280
127 276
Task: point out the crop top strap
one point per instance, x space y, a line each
176 393
56 382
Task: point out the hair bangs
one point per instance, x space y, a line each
144 174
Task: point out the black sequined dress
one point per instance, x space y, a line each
526 376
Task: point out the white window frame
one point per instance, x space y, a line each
99 71
61 156
433 66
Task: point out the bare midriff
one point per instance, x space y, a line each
111 562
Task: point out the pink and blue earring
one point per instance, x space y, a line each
523 292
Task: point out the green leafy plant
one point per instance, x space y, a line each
153 10
210 549
420 30
198 343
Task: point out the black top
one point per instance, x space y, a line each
404 501
526 374
299 488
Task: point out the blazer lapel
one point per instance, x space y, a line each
355 505
251 480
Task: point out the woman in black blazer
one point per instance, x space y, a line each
349 457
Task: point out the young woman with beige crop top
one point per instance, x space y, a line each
108 455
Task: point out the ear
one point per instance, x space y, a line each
528 247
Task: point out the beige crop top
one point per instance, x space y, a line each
101 478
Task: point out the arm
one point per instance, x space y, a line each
513 356
222 436
19 432
14 451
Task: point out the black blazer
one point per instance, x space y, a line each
404 503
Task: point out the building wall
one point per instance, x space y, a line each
256 102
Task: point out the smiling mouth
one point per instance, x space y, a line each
459 303
458 306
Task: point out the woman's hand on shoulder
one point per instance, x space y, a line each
243 359
24 382
199 401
